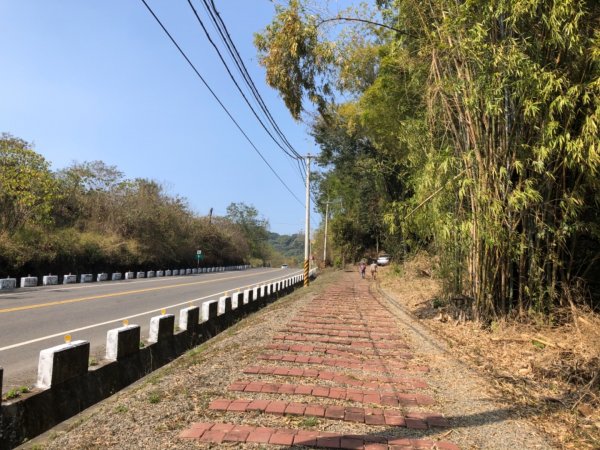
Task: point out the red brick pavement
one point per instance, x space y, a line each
378 397
350 324
221 432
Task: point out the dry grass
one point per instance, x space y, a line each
550 373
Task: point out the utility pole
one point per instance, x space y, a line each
327 203
307 224
325 238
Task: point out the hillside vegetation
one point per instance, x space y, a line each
90 218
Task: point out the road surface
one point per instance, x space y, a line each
33 319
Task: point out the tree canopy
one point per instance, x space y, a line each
467 129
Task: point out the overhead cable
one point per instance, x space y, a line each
217 98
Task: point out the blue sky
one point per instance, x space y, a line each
98 80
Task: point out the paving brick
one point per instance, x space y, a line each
281 371
237 386
303 390
310 373
354 416
213 436
258 405
400 442
415 423
270 388
295 372
374 419
252 369
437 421
255 386
314 410
220 404
236 436
337 393
320 391
282 437
352 442
394 420
328 441
307 438
238 405
225 427
326 375
422 443
296 409
335 412
286 389
375 446
191 433
276 408
372 398
260 435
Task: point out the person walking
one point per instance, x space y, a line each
362 268
374 270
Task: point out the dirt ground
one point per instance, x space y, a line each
550 373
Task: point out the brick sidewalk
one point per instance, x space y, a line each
342 353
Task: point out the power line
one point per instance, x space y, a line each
235 81
217 98
239 62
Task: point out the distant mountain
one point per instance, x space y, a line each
288 246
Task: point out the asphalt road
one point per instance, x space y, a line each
37 318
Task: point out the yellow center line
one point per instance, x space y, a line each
115 294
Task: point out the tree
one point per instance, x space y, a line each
254 228
28 189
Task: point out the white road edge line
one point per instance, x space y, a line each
75 330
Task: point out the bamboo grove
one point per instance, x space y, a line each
467 127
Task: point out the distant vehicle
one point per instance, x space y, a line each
284 266
383 260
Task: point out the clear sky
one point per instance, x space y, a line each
98 80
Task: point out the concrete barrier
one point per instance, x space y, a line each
189 318
62 362
150 274
102 277
161 327
224 305
237 300
32 414
175 272
160 273
70 279
116 276
168 273
29 282
129 275
194 271
141 275
256 293
86 278
122 342
247 298
210 310
188 271
50 280
8 283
